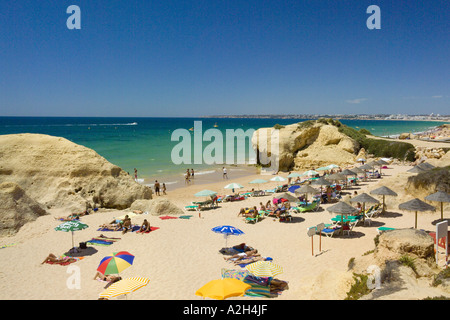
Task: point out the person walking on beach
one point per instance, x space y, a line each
157 186
224 176
164 188
192 173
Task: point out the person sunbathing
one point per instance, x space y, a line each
109 278
70 217
249 260
243 255
52 258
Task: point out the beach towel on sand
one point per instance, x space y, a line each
65 263
151 229
167 217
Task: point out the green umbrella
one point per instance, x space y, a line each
278 178
233 186
294 175
71 226
258 181
205 193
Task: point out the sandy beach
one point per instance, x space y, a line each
183 254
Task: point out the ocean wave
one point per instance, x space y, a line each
151 185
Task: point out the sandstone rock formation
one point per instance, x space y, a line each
16 208
400 279
308 147
156 207
58 173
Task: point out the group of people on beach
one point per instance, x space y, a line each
188 176
271 210
125 225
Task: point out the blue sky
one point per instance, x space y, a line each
192 58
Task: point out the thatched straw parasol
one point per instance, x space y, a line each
441 197
416 205
384 191
363 198
342 208
417 169
305 189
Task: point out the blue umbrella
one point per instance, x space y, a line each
293 188
226 231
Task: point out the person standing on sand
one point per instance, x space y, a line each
157 188
192 173
224 176
164 188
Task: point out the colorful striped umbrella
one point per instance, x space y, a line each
115 262
264 269
125 286
223 288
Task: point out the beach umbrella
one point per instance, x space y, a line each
233 186
342 208
294 175
310 173
361 160
306 189
425 166
293 188
288 197
71 226
441 197
416 205
321 182
348 172
364 198
336 177
264 269
258 182
323 168
115 263
417 169
227 231
383 191
125 286
278 178
205 193
221 289
333 166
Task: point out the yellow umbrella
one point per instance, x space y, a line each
264 269
124 286
223 288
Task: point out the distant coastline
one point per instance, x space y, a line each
398 117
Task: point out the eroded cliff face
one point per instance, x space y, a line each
58 173
310 147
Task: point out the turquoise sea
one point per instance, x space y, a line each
145 143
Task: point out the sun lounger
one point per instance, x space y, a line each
384 229
314 206
259 217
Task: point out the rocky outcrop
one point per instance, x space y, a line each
156 207
405 259
304 147
426 153
16 208
58 173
